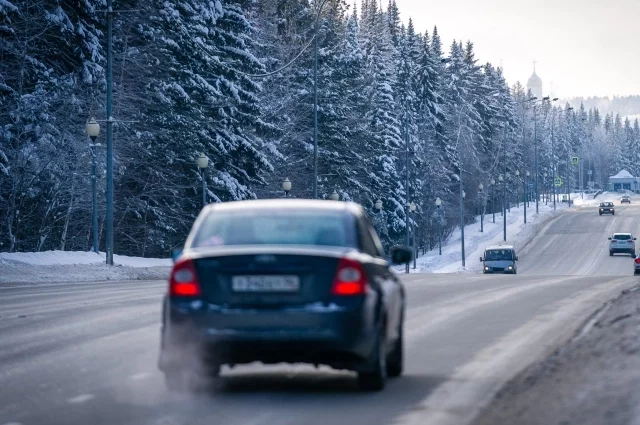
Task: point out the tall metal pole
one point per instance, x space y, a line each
109 215
462 218
504 183
535 143
553 159
524 196
94 188
408 200
315 110
204 189
439 232
493 201
415 252
504 209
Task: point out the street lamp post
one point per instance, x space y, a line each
412 208
508 195
315 101
93 130
589 183
334 196
545 188
517 188
438 205
504 213
481 193
462 196
286 187
109 182
203 162
492 183
525 188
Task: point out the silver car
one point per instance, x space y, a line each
622 243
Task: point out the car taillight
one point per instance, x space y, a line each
350 279
637 260
184 281
629 241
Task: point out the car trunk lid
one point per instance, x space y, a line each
264 279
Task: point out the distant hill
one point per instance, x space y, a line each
624 105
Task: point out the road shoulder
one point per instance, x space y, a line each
591 379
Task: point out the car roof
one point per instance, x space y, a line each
286 204
622 233
499 247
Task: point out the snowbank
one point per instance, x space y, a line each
49 258
74 266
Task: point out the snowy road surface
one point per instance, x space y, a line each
86 354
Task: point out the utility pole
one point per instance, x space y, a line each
407 206
315 111
109 189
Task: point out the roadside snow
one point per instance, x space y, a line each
518 234
78 266
49 258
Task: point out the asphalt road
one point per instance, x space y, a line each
86 353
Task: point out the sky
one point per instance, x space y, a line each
585 47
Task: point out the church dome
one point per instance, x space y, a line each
534 80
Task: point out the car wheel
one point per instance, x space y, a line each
395 360
610 254
375 379
600 213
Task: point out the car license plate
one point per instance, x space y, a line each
265 283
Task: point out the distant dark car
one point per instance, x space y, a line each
626 199
292 281
607 208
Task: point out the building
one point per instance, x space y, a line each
535 83
623 181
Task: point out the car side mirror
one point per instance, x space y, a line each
481 259
516 258
609 238
635 239
176 253
401 255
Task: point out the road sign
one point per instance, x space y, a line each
557 182
575 160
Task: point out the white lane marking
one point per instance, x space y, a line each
13 423
140 376
82 398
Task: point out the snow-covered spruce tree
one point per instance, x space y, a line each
198 60
384 142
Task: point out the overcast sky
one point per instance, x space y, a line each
586 47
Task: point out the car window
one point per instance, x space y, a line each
621 237
300 227
498 255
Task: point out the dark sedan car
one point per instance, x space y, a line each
607 208
293 281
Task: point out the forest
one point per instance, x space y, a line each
403 116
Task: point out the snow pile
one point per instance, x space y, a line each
50 258
518 234
74 266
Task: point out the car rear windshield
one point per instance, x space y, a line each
606 204
300 227
621 237
498 255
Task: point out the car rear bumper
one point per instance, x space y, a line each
338 336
